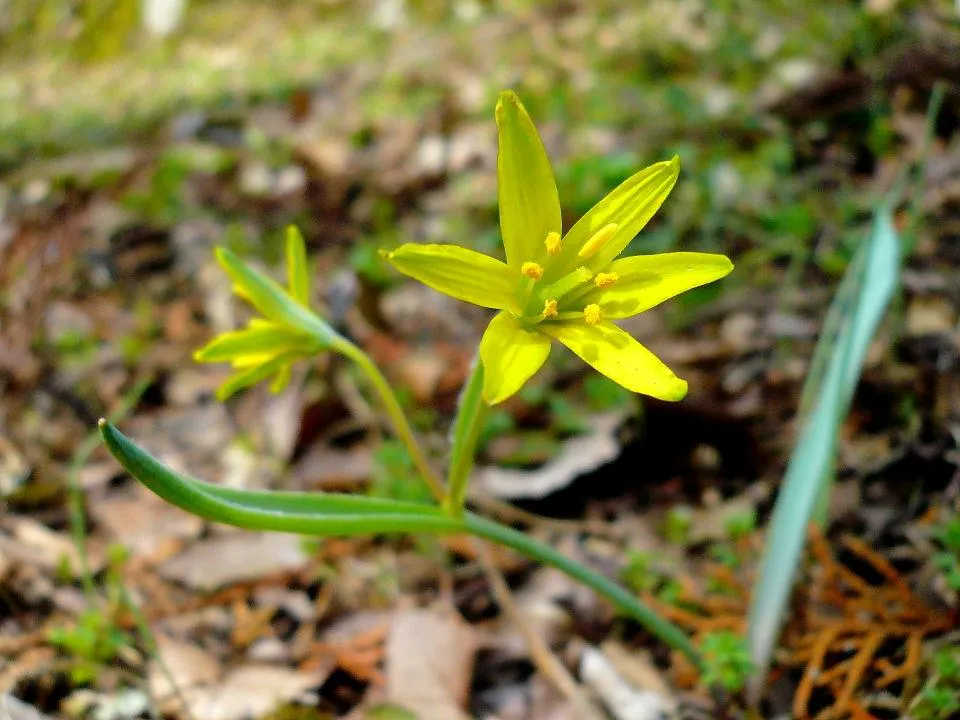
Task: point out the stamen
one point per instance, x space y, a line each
600 238
605 280
570 281
532 270
552 242
592 314
550 309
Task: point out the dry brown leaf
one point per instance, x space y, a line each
430 657
219 561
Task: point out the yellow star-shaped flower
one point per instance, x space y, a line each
563 287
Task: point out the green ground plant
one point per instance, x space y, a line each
552 286
567 288
940 697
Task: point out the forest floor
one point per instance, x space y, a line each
367 127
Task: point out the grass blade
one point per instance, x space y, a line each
854 315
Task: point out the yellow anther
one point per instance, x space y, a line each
605 280
550 309
600 238
592 315
552 242
532 270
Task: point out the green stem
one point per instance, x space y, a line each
618 596
401 426
466 430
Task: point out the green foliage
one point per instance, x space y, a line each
97 638
604 394
677 524
94 641
948 560
741 524
366 262
937 703
639 574
389 712
395 476
162 201
498 422
853 317
727 662
940 697
725 554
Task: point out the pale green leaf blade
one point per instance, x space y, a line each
318 514
858 309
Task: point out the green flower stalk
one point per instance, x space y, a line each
568 288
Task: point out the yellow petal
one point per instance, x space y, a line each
298 272
252 375
628 207
527 192
272 300
644 281
511 355
259 342
614 353
461 273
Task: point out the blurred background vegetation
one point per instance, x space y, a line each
137 134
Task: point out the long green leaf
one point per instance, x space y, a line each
303 513
333 514
858 307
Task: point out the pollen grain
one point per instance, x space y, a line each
553 242
605 280
532 270
592 314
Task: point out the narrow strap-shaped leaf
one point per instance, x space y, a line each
857 309
330 514
324 515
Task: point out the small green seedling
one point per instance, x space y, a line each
639 574
948 560
97 638
940 697
726 659
677 524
